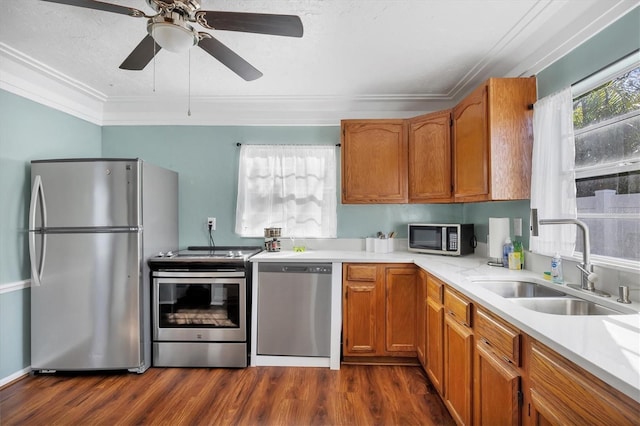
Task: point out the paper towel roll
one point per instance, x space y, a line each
498 233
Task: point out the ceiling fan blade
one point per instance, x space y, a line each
98 5
141 55
228 58
283 25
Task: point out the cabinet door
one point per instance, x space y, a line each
435 344
458 370
400 310
430 158
471 148
374 161
421 316
360 318
497 389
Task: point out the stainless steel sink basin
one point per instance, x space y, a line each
511 289
564 306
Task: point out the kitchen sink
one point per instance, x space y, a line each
511 289
564 306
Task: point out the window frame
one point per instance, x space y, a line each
578 89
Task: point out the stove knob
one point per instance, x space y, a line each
169 254
239 254
230 254
161 254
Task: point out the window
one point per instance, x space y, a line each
292 187
606 119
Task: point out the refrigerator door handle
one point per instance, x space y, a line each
37 192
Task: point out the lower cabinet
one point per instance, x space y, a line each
434 350
562 393
421 317
487 371
379 311
458 357
497 377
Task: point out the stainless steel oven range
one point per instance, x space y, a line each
201 307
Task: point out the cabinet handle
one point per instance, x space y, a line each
485 341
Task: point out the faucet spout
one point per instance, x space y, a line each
586 269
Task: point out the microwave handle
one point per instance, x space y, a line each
445 239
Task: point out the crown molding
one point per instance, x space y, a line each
26 77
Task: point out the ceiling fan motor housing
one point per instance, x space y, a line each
172 32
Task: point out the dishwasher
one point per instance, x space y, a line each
294 309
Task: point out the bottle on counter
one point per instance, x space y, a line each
506 250
556 269
516 259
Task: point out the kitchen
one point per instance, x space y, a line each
205 156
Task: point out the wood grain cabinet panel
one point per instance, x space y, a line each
379 311
430 158
400 309
493 140
360 318
458 370
435 340
374 161
421 317
563 393
497 390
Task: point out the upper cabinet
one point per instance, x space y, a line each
479 151
430 158
493 140
374 161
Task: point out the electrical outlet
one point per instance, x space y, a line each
517 227
211 223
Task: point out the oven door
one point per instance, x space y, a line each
199 308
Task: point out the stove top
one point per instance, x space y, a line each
206 255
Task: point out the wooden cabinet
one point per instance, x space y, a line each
493 141
374 161
497 379
563 393
435 338
361 313
421 317
458 357
430 158
379 310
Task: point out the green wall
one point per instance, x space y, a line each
206 159
28 131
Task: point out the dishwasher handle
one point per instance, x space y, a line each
300 268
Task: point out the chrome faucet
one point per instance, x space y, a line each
588 277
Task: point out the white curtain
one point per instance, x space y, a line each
553 189
292 187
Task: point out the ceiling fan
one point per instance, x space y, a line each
169 29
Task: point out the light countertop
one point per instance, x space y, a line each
607 346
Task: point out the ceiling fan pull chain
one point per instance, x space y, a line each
189 94
154 66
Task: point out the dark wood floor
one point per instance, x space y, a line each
354 395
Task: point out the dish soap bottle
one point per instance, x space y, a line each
556 269
506 249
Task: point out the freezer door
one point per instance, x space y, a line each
86 312
85 194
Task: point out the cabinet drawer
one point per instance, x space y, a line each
434 289
456 306
498 337
361 272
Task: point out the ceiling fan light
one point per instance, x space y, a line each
173 37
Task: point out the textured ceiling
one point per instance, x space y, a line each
351 49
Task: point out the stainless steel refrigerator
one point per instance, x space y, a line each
92 225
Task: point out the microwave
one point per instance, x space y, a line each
448 239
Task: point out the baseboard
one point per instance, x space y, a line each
18 375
